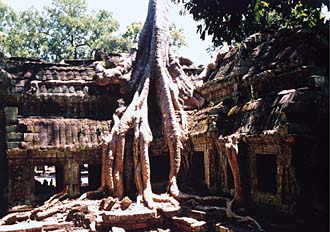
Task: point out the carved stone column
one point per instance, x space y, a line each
72 177
207 168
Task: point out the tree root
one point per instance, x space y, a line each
195 201
232 215
93 194
36 213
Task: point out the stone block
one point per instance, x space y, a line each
26 227
52 226
11 114
224 228
189 224
14 136
117 229
128 216
11 145
11 128
197 214
26 145
170 211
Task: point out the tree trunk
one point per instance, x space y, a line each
155 67
231 152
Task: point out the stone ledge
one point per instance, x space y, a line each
188 224
129 219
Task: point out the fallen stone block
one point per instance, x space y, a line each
22 227
50 226
117 229
170 211
125 203
220 227
188 224
132 219
197 214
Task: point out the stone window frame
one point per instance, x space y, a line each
266 148
257 185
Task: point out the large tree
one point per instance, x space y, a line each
229 21
155 68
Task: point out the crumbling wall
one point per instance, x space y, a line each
268 90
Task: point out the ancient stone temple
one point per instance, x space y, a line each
269 92
51 115
272 92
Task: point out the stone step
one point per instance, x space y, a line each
36 227
129 219
187 224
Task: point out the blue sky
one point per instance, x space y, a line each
128 11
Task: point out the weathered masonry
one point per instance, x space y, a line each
271 91
52 116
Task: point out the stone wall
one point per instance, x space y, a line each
53 115
268 90
65 143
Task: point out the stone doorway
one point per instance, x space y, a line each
266 172
160 169
198 173
90 177
47 181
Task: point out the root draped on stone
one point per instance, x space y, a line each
155 67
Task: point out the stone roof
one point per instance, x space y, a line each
266 63
271 83
45 78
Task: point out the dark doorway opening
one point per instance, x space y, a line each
160 170
94 176
266 171
46 181
198 174
90 177
198 169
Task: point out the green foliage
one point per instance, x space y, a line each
134 28
229 21
73 33
65 30
177 37
8 16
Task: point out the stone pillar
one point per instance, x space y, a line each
19 188
59 178
72 177
207 168
30 186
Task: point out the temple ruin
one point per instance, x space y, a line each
270 91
